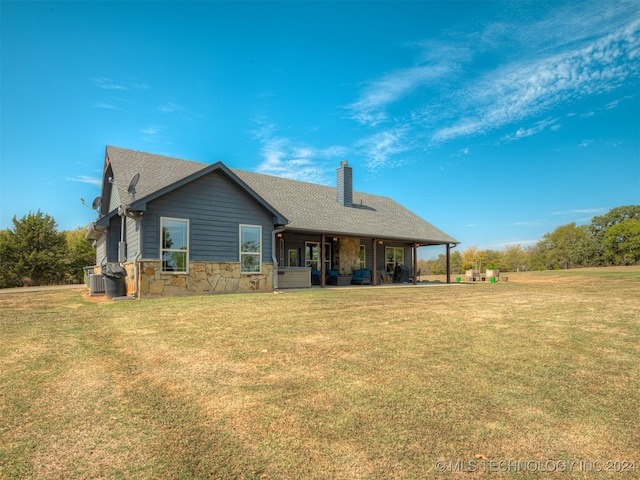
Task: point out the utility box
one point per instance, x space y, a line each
96 284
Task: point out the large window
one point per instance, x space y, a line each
393 256
174 245
312 255
250 249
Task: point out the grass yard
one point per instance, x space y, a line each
371 383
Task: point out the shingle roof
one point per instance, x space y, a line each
156 171
308 207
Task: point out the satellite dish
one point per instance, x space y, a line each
96 203
132 184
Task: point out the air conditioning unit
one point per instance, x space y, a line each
96 284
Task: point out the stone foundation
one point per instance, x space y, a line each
203 278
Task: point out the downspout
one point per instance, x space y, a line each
136 269
274 255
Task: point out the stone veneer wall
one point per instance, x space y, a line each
348 255
203 277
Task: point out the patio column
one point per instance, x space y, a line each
415 263
448 263
323 273
374 270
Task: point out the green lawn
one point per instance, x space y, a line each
410 382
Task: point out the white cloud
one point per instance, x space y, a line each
519 90
527 223
285 158
86 179
170 108
106 83
536 128
580 211
106 106
575 51
379 149
369 108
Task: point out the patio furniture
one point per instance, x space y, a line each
332 276
401 274
361 277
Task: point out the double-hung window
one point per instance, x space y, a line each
174 245
394 256
250 249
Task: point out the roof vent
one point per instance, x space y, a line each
345 184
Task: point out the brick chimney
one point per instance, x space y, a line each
344 184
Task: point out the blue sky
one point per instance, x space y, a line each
495 121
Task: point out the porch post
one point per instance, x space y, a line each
323 273
448 263
374 271
415 263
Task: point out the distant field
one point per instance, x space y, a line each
537 377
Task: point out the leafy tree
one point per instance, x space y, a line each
471 256
622 242
559 248
535 257
456 262
8 254
606 250
513 258
80 253
38 249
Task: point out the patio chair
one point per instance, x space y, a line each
361 277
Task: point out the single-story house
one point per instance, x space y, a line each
181 227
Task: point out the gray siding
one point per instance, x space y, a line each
101 250
215 209
113 237
132 237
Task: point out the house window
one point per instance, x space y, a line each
250 249
174 246
312 255
393 256
293 258
362 257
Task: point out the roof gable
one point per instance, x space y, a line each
161 175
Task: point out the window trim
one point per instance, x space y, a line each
163 250
241 253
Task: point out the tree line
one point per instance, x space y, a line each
610 239
34 252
